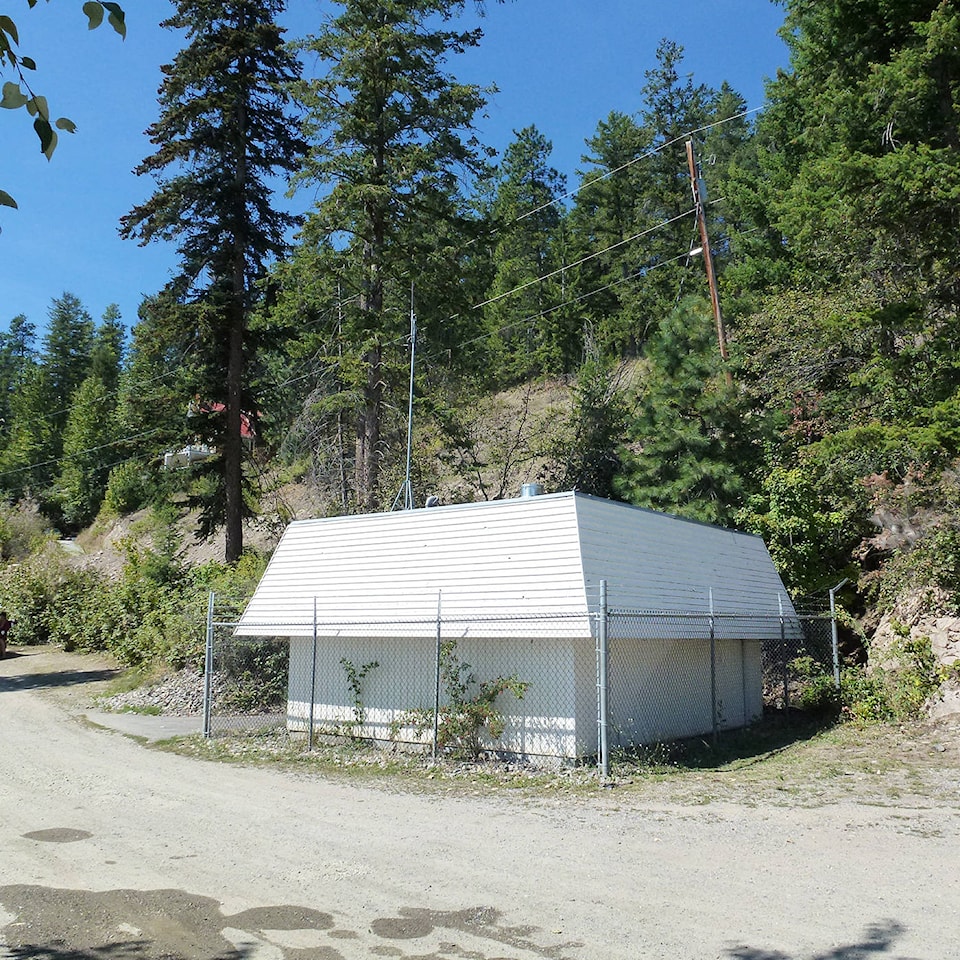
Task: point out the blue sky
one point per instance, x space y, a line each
560 64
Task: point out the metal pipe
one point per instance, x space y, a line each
604 747
436 694
783 657
833 631
313 678
208 669
713 672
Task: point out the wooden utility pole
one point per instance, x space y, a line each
699 195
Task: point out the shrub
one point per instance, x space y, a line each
874 694
128 489
817 688
471 710
23 530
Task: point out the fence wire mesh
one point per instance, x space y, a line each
527 686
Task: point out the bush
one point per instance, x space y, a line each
871 695
818 692
128 489
23 530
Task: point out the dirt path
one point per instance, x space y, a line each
111 849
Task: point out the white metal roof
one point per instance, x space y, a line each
532 557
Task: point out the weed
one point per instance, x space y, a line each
354 680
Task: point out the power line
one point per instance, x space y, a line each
583 260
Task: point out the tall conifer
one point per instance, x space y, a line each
224 130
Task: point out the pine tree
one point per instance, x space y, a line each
17 357
88 453
392 134
65 357
223 132
690 451
527 315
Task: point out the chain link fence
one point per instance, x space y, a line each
554 686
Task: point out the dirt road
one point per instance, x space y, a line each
109 849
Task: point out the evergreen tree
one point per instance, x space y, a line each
690 448
65 358
28 458
224 130
528 316
392 143
88 453
17 358
106 359
603 220
633 223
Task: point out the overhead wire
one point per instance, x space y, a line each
587 182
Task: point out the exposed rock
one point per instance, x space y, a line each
921 615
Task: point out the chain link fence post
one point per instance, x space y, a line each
436 691
713 672
313 678
603 751
833 632
208 668
785 659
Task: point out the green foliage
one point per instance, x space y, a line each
153 613
920 537
127 490
19 93
23 530
818 693
256 675
588 457
898 692
690 447
533 332
355 679
470 715
807 540
28 589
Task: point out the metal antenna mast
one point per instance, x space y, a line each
406 489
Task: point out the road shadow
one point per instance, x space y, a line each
878 940
58 678
43 923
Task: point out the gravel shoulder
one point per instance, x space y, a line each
847 847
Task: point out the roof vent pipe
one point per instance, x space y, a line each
531 490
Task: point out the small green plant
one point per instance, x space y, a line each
355 679
818 693
256 673
471 709
895 694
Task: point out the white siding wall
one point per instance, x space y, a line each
662 688
543 723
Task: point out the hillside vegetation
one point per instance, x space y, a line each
564 332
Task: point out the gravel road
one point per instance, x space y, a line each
110 849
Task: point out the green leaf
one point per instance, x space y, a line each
6 200
13 96
94 12
9 28
37 107
28 63
48 138
64 123
117 18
